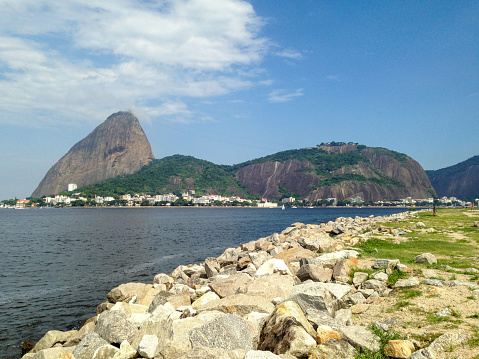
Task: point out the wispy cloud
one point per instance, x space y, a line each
281 95
74 59
332 78
290 54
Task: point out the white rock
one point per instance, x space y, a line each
273 266
148 345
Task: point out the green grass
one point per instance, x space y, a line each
474 316
456 253
395 276
408 293
384 338
402 304
474 341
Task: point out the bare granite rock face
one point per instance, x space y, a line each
116 147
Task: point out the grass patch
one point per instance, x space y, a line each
384 338
474 316
439 242
402 304
408 293
474 341
433 319
395 276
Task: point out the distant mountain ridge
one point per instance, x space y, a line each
339 171
116 147
460 180
116 158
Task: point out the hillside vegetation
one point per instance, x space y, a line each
341 171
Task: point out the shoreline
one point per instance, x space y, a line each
262 276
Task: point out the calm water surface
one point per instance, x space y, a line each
57 265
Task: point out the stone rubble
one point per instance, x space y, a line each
289 295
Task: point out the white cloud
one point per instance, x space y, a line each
75 60
281 95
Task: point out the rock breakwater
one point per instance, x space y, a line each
290 295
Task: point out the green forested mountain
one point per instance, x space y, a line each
329 170
174 174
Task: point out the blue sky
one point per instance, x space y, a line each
231 80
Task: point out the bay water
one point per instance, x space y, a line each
57 265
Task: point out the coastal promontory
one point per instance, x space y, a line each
116 147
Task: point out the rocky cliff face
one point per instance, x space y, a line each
376 174
116 147
461 180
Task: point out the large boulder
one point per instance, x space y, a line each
178 342
294 254
114 327
359 336
288 331
399 349
269 286
227 332
214 353
205 298
229 286
51 338
241 304
126 292
314 299
315 272
53 353
426 258
88 346
271 266
334 348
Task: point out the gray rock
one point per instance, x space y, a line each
148 345
359 336
374 284
408 282
344 317
178 344
357 298
106 352
317 273
88 346
213 353
228 332
381 276
443 313
258 258
309 243
212 267
114 327
434 282
288 331
359 277
314 299
425 258
437 347
338 290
